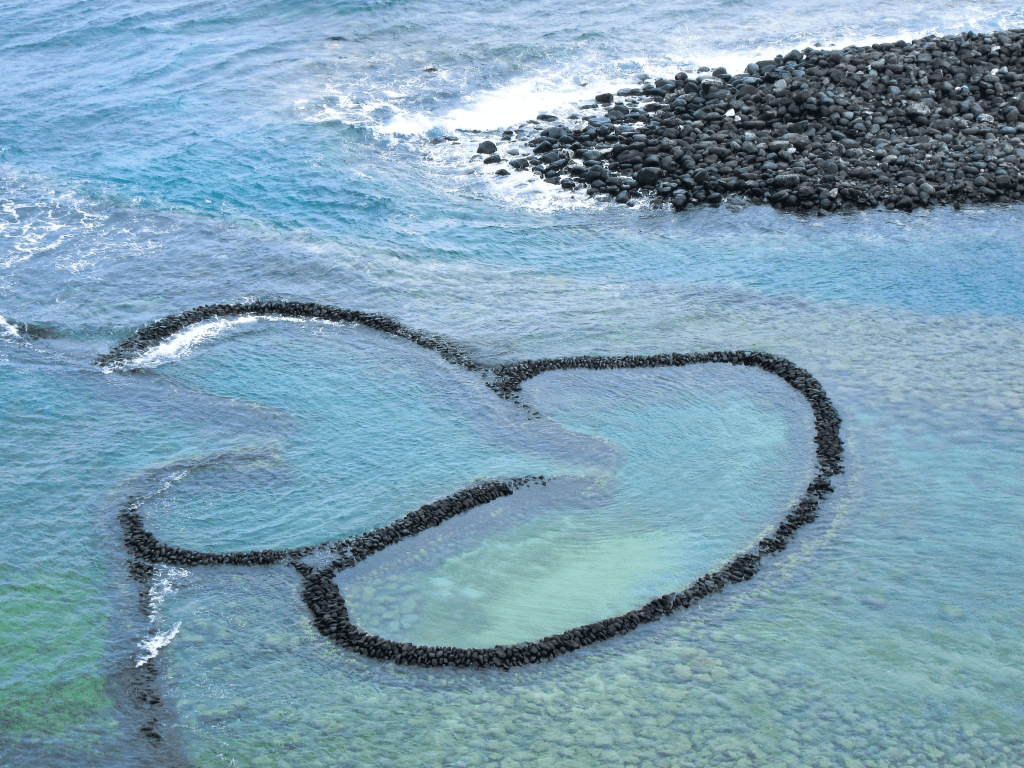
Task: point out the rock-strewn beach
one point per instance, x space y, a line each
900 125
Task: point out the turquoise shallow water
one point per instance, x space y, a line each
689 466
157 157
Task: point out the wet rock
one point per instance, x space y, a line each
486 148
786 180
918 110
855 120
647 177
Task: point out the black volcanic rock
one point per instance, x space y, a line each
900 125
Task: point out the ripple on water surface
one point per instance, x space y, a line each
362 429
703 461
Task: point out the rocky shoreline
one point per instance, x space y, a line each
320 591
900 125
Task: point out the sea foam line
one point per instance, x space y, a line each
7 328
163 587
560 89
181 344
154 644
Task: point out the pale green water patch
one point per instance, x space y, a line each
706 460
61 562
516 569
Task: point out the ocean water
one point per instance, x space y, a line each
158 156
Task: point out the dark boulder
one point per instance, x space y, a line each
786 181
648 177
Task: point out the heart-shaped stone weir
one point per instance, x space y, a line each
321 593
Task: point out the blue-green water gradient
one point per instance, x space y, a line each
158 156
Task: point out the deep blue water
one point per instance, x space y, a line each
154 157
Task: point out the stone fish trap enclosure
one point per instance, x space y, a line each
320 592
900 125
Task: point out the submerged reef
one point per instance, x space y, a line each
900 125
320 592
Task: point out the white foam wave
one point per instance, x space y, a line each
8 329
168 483
485 110
415 109
164 582
181 344
395 112
32 228
71 231
395 109
152 645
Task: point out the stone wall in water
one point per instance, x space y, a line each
320 592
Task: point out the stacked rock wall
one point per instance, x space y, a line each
320 592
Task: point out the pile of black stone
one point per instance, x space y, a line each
320 592
900 125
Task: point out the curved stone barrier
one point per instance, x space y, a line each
144 546
320 592
151 335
